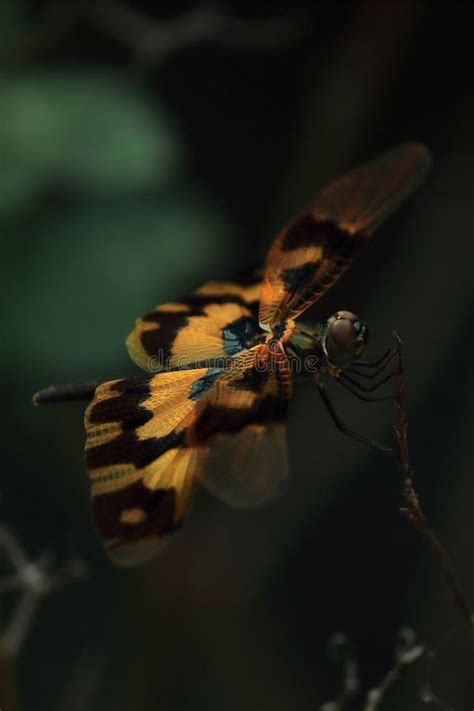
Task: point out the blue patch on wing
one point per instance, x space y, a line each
240 334
201 386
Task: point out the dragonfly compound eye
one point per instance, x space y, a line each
346 338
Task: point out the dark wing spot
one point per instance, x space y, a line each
160 342
253 307
155 500
127 448
126 407
341 245
159 505
292 278
307 231
215 419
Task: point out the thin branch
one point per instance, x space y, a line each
340 649
12 549
33 580
413 510
152 39
17 629
407 651
427 696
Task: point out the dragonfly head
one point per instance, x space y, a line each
344 339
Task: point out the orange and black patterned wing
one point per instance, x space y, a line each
149 439
216 321
241 420
142 473
313 250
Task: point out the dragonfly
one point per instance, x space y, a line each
219 364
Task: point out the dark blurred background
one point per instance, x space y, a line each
144 148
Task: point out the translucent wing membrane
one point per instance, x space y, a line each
149 439
243 415
216 321
313 250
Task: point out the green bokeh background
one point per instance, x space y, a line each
126 180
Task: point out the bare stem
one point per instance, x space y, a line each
412 509
407 651
340 649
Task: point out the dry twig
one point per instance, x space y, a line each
407 651
32 580
340 649
152 40
412 509
206 22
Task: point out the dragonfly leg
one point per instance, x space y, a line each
360 395
360 386
370 373
342 427
389 353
